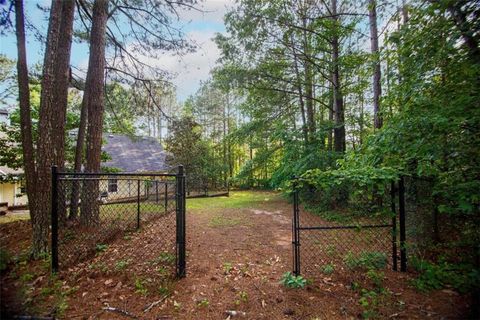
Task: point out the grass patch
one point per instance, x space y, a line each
237 199
12 217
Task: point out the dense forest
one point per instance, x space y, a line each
348 96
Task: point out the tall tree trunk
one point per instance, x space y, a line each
300 93
26 123
330 118
339 113
45 133
95 106
308 80
60 94
377 88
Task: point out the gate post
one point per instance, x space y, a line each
295 230
180 215
401 208
54 218
166 196
394 226
138 203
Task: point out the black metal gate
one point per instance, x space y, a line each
322 245
119 221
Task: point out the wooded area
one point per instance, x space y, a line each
348 96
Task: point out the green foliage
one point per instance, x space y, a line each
377 278
328 269
289 280
227 267
164 291
100 247
204 303
432 276
369 301
140 286
121 265
165 257
194 153
366 260
242 298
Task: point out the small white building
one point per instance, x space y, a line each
12 187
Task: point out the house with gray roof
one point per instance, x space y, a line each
135 154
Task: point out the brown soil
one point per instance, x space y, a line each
235 259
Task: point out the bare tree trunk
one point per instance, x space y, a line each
60 93
308 82
330 118
405 12
377 88
95 106
300 93
339 113
45 133
26 123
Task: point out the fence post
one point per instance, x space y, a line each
401 208
296 231
394 226
180 213
156 190
54 218
138 203
166 196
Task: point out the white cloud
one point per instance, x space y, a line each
194 67
210 10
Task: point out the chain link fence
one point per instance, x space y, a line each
335 243
120 221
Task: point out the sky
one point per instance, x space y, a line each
188 71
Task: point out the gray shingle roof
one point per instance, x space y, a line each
137 154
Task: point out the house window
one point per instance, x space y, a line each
112 185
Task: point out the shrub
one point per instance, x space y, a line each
462 277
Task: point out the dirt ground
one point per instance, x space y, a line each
237 252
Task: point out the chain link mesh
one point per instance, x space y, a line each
345 240
118 222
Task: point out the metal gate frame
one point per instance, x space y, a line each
297 228
180 195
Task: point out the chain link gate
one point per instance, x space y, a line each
119 221
318 243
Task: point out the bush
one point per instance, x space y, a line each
462 277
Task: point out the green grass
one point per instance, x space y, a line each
14 217
125 211
237 199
